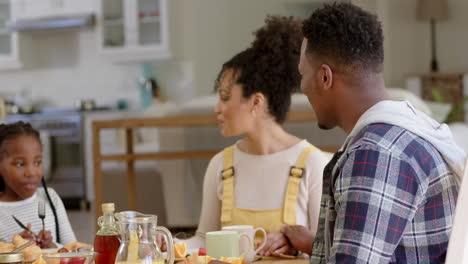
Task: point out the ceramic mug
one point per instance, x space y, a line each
225 244
245 245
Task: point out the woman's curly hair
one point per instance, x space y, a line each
347 35
269 65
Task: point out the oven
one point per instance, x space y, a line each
62 140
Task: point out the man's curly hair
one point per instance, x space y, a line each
269 65
347 35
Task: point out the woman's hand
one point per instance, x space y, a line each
277 243
44 240
300 237
27 234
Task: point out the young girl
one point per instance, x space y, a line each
20 175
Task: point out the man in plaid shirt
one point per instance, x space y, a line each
389 194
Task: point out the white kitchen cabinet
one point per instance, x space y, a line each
72 7
9 42
133 30
27 9
30 9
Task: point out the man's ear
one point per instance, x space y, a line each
326 76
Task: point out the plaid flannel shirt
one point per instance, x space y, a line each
390 199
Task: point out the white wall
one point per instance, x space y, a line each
227 26
409 40
453 38
215 30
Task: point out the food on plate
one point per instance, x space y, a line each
40 260
63 257
233 260
195 259
71 247
73 260
180 250
75 245
19 240
6 247
207 259
200 257
202 252
31 253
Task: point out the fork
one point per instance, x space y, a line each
41 212
25 245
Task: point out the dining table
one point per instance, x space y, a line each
262 260
274 260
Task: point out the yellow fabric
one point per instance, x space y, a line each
290 199
228 185
270 219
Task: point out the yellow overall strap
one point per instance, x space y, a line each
295 175
227 173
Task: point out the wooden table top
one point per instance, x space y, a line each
273 260
263 260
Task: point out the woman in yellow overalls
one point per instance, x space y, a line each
269 177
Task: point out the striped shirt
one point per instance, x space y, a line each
390 199
26 212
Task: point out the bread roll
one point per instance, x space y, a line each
73 245
6 247
31 253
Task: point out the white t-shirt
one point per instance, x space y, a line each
26 212
260 183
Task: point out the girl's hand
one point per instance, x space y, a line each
44 240
27 234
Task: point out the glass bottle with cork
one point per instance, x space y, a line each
106 242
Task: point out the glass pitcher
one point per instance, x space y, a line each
138 239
